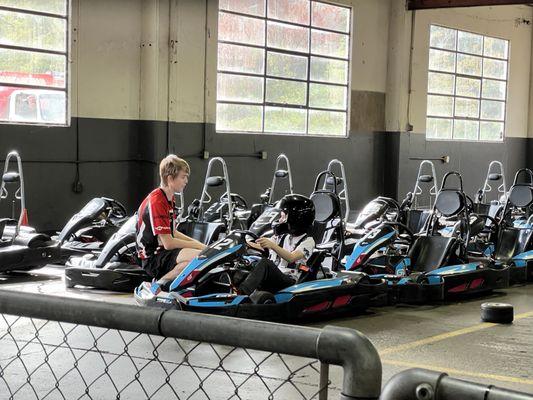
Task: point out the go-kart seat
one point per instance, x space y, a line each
204 232
450 202
521 195
327 209
431 252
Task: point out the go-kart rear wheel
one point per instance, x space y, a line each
500 313
262 297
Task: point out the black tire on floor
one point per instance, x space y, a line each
261 297
500 313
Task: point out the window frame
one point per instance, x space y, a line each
21 86
456 75
308 55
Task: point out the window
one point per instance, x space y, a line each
467 85
283 67
33 61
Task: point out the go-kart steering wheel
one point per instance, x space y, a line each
236 199
402 227
264 252
117 210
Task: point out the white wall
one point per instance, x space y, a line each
496 21
105 54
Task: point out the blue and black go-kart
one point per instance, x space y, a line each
511 231
436 267
207 285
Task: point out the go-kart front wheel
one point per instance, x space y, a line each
262 297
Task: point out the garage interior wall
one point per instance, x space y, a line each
143 83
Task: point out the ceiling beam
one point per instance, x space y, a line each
427 4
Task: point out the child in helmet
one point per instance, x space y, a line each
291 246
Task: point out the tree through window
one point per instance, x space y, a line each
33 61
467 85
283 67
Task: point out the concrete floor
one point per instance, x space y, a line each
449 338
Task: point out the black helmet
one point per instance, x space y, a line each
300 212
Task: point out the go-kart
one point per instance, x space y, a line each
21 247
207 285
436 267
91 227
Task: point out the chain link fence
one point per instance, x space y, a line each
48 353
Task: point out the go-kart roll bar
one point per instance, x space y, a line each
226 183
448 174
281 157
325 174
19 194
417 190
343 194
487 186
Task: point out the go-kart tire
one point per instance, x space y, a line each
262 297
500 313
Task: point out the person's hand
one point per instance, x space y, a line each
266 243
254 246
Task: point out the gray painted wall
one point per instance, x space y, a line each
119 160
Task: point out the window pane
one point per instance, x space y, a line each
469 43
327 123
494 89
253 7
467 130
441 83
327 70
239 118
331 17
286 66
49 6
440 106
492 110
239 88
439 128
466 108
442 38
18 65
327 96
28 30
236 28
32 105
329 44
496 47
240 59
288 37
469 65
494 69
441 60
296 11
286 92
279 119
491 130
468 87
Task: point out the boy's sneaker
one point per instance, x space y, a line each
150 287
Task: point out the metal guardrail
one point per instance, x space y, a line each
421 384
57 350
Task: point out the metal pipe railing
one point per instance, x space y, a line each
332 345
422 384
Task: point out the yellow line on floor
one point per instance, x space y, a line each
458 373
447 335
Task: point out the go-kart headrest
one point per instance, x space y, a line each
214 181
330 181
327 205
495 177
520 195
11 177
281 173
425 178
450 202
